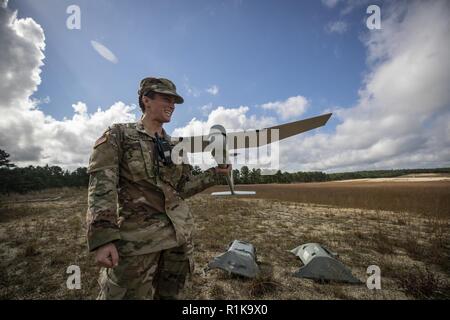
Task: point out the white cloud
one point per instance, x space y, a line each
214 90
22 40
104 52
195 92
29 135
347 5
206 109
403 113
80 108
330 3
354 4
38 101
232 119
289 109
43 139
338 27
191 90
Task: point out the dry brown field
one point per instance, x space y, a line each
403 227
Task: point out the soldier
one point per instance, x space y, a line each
139 225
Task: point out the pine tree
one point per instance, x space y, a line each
4 161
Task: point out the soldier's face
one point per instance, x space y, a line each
161 107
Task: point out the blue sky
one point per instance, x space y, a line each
243 64
254 51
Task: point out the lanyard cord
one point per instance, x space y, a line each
162 151
156 156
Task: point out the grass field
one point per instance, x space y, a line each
429 198
401 227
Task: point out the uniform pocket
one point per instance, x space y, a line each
109 290
138 156
148 156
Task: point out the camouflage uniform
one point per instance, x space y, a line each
138 204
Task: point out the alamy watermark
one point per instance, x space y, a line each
374 279
74 20
373 22
254 148
74 280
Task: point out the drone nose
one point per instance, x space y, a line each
217 129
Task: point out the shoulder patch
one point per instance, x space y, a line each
101 140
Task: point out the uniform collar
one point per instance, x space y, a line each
140 127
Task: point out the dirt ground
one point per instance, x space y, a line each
40 239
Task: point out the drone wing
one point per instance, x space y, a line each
256 138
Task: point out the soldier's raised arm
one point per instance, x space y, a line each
103 172
192 184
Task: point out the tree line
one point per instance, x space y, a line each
31 178
25 179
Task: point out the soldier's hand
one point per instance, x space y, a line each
107 256
223 171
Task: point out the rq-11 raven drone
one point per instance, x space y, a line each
219 142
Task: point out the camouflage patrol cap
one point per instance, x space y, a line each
159 85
